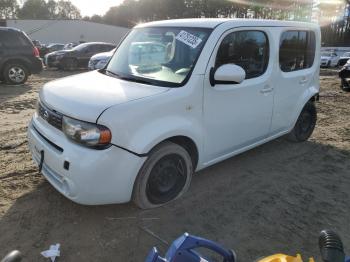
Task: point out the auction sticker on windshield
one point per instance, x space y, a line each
188 39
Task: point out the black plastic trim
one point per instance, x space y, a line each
47 140
131 152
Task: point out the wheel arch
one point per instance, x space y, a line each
310 95
15 60
187 143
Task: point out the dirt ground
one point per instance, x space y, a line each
275 198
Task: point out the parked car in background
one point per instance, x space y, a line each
55 47
99 60
50 58
50 48
344 75
70 46
139 128
79 56
344 58
329 59
19 58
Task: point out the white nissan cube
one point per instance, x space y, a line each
176 97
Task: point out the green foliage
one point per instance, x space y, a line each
8 9
131 12
39 9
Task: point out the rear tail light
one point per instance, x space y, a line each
36 52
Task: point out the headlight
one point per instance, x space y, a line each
85 133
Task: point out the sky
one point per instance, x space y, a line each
91 7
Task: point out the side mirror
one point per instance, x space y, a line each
227 74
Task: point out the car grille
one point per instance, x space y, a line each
52 117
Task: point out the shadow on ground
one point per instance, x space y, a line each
275 198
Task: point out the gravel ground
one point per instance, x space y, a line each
275 198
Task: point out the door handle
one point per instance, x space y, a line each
266 89
303 80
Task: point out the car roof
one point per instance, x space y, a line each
98 43
4 28
214 22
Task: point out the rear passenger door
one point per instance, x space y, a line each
295 73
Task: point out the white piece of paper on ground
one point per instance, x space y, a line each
188 39
52 253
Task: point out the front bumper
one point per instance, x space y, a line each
94 177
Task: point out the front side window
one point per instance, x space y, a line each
158 55
247 49
297 50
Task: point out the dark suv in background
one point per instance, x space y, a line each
78 57
19 58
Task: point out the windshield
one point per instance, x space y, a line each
160 56
80 47
326 54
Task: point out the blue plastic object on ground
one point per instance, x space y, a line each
183 250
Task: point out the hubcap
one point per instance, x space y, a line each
167 179
16 74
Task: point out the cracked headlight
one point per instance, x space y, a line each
87 134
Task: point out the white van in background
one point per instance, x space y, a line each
139 128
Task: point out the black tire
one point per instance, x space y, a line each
305 124
70 64
345 85
164 177
15 73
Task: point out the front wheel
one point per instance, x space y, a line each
165 176
305 124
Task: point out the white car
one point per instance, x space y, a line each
329 59
100 60
344 59
140 128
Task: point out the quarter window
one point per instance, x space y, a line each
297 50
248 49
13 39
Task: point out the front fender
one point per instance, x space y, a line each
148 136
140 125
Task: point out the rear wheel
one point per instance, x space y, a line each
165 176
15 73
305 124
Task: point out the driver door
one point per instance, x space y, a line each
239 115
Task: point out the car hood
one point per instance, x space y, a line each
100 56
85 96
325 57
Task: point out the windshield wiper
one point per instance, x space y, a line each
129 78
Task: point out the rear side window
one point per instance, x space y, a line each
248 49
297 50
13 39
